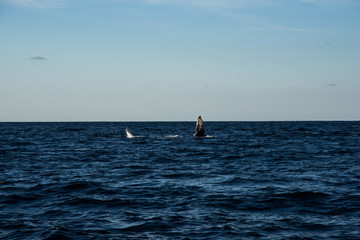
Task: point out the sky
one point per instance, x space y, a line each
172 60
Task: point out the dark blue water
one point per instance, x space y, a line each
249 180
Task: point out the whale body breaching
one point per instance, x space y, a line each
128 133
200 128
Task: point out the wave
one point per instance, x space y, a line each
244 182
172 136
136 136
206 136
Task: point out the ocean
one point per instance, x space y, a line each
245 180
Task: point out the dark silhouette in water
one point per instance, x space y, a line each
200 128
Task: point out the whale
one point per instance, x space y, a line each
200 128
128 133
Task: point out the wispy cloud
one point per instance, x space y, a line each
277 28
211 3
337 2
38 58
199 3
246 3
218 4
300 30
325 45
35 3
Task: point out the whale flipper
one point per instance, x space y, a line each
200 128
128 133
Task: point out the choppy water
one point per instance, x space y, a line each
250 180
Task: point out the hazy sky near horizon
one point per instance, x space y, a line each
169 60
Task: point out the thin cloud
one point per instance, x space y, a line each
35 3
325 45
38 58
301 30
292 29
199 3
211 3
337 2
246 3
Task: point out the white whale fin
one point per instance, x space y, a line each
129 134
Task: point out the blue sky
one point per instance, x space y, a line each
172 60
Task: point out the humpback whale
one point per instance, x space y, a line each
128 133
200 128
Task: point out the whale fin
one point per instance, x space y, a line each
128 133
200 128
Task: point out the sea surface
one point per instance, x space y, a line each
246 180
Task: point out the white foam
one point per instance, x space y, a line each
172 136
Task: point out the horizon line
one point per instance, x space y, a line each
126 121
